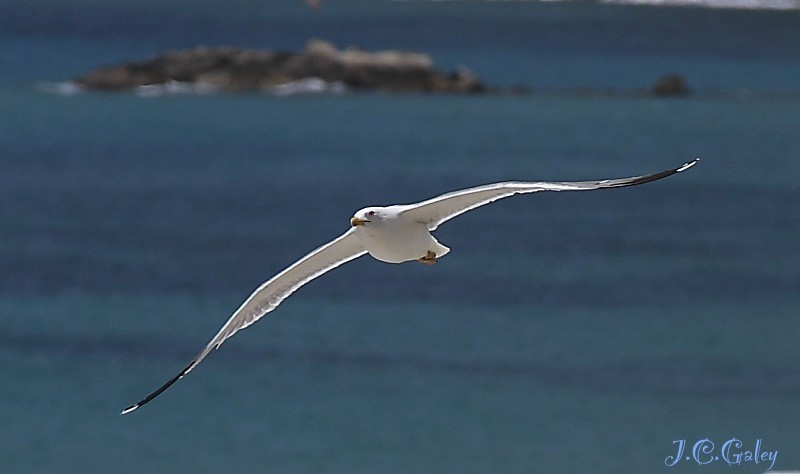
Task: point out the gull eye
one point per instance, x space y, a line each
371 213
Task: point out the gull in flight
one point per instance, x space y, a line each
392 234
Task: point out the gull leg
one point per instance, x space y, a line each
428 259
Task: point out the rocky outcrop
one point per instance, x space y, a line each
245 70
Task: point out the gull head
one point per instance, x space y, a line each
368 215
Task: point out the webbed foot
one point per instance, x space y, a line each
428 259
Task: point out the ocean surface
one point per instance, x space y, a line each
565 332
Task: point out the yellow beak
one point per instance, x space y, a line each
355 221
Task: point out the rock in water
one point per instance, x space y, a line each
671 85
245 70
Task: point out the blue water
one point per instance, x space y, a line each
565 331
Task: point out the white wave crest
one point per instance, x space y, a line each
60 88
309 85
175 88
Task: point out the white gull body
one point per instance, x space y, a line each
392 234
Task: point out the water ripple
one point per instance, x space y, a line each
668 377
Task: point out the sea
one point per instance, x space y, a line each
646 329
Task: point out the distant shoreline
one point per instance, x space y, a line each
713 4
779 5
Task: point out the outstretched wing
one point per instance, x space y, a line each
270 294
440 209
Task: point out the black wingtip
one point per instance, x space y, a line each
160 389
620 183
687 165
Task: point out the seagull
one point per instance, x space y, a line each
391 234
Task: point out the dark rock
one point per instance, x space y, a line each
671 85
238 70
